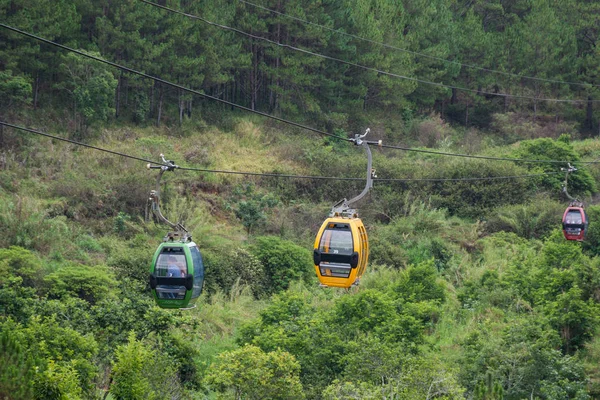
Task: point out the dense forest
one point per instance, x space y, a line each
472 291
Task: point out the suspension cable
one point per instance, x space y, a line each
84 54
273 175
426 82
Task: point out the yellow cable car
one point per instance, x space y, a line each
341 248
341 252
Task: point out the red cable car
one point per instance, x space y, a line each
575 223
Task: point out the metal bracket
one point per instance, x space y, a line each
574 201
343 207
154 198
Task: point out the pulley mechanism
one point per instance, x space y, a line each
343 207
341 248
180 232
177 270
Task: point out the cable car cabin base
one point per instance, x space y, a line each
341 252
575 223
177 274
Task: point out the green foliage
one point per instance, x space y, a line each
120 220
580 183
65 356
17 372
17 300
292 324
489 389
591 245
131 258
283 261
531 221
25 223
451 314
347 390
91 87
414 238
253 374
19 262
228 266
575 318
250 207
474 198
140 373
91 284
420 283
14 89
57 382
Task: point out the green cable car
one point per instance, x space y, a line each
176 274
177 270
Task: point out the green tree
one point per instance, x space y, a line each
283 261
58 381
91 88
140 373
250 206
580 183
17 372
251 373
91 284
19 262
489 389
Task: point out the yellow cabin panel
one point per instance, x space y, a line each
339 245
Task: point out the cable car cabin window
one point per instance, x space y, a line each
337 239
335 270
573 218
171 263
198 271
573 224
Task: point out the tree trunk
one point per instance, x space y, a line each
36 90
589 115
118 95
159 106
181 104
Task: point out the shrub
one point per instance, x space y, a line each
580 183
284 262
473 198
228 265
529 221
91 284
17 261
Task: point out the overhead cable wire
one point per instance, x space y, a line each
415 53
121 67
292 123
78 143
442 153
426 82
271 175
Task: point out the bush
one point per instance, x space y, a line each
17 370
534 220
580 183
91 284
284 262
17 261
227 265
473 198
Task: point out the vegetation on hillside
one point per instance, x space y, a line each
471 290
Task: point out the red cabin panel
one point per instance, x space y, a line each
574 223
